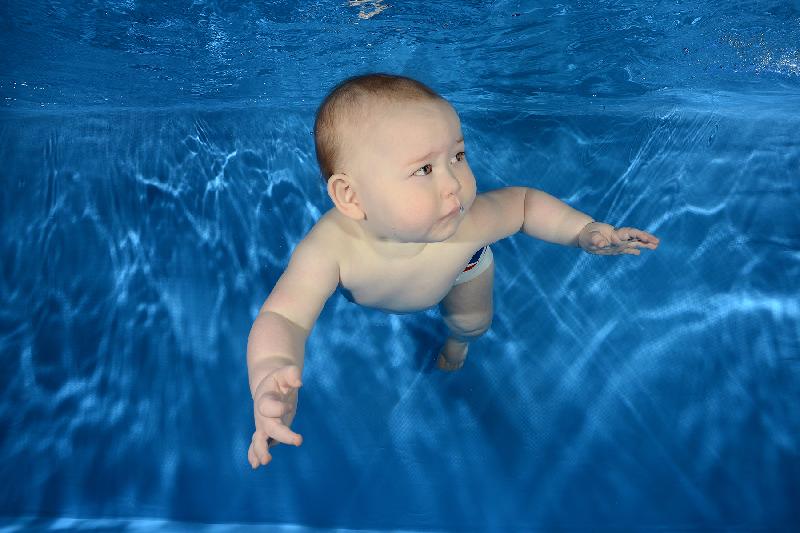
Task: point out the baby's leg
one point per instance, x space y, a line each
467 311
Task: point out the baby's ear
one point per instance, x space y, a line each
344 196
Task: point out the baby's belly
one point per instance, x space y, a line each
406 296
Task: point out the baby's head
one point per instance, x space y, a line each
391 151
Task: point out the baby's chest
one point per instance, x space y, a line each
404 285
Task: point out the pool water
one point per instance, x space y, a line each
158 169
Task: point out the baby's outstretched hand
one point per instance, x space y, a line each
604 239
274 406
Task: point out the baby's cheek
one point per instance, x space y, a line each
416 215
468 192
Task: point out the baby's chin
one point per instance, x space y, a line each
438 231
446 231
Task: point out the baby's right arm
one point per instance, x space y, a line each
276 346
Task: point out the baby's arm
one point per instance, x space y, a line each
276 346
550 219
505 211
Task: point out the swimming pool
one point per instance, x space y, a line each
158 168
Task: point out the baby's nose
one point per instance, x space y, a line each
452 183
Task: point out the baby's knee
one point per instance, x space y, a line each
467 327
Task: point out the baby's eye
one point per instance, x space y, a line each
429 168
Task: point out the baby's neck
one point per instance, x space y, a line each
393 249
388 248
380 246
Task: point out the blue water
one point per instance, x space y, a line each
158 168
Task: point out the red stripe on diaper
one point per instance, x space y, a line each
475 259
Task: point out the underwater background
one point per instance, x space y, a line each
157 169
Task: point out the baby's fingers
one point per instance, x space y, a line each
283 434
633 234
650 241
631 251
257 454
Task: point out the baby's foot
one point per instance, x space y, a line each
452 355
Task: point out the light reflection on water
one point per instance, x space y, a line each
622 388
157 171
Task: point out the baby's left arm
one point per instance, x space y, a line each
503 212
550 219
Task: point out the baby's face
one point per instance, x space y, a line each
411 173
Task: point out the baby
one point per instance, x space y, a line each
407 231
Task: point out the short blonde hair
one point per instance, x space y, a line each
350 103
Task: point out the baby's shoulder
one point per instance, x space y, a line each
495 215
328 235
